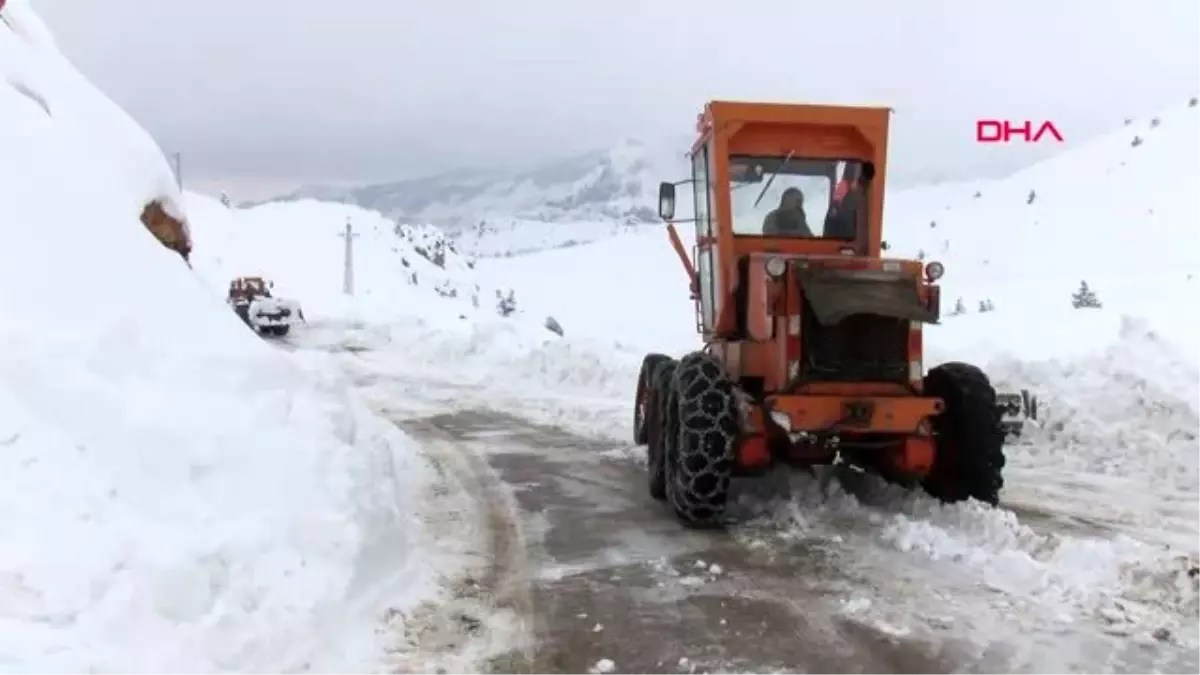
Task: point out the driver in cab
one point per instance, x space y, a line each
788 219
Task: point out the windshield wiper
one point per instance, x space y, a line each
772 178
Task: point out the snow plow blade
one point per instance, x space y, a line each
1013 409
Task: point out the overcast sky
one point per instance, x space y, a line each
262 94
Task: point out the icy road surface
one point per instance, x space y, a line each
585 566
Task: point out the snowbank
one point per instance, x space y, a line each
176 494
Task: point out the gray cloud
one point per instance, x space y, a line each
375 89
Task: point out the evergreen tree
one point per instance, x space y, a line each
506 304
1084 297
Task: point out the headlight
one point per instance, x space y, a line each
776 267
934 271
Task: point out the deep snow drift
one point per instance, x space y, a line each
175 494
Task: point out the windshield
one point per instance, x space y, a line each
794 197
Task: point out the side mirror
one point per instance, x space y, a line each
666 201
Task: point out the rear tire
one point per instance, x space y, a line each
700 456
281 330
645 390
661 427
969 460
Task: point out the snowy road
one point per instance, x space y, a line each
604 572
574 568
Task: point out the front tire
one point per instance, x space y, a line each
699 461
969 460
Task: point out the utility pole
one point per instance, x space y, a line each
179 170
348 270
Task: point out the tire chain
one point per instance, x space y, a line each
703 407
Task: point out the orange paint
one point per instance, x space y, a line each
759 355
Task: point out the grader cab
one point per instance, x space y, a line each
814 340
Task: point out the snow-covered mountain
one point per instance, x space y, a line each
615 184
560 203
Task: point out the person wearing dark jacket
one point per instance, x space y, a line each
788 219
842 221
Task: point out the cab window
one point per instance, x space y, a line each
796 197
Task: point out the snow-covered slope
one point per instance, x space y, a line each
1119 213
175 495
300 246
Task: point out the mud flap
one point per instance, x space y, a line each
1013 409
835 294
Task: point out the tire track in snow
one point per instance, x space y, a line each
489 607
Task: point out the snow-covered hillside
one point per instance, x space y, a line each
175 495
300 246
1119 213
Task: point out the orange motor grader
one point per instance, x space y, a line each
813 340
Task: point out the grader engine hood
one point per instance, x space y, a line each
835 294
